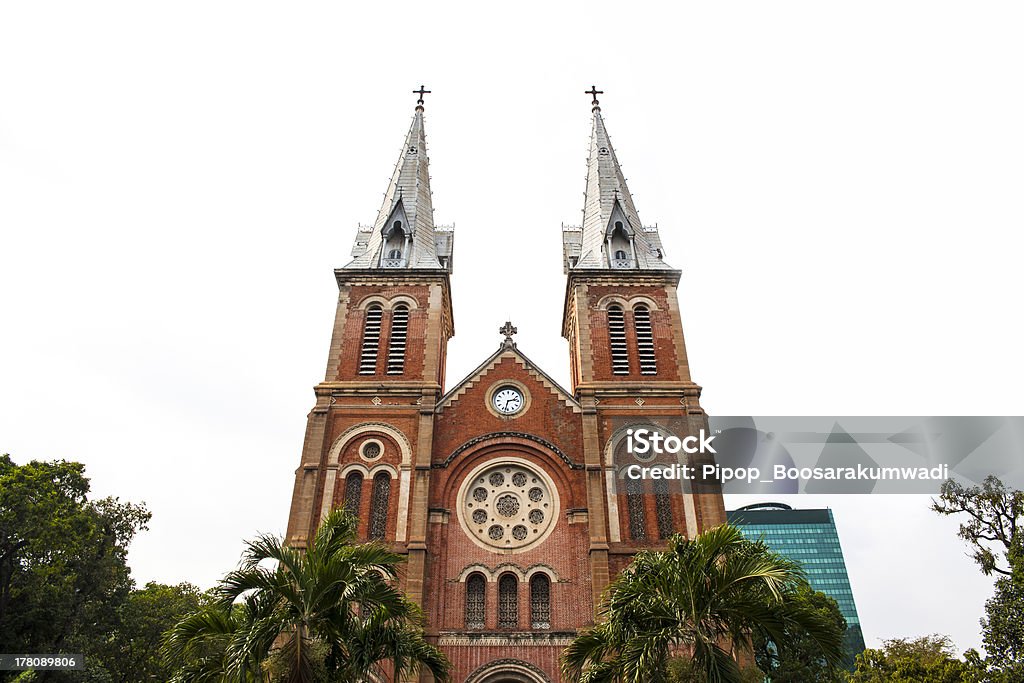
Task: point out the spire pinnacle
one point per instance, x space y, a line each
612 236
404 235
421 92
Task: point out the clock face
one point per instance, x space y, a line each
507 400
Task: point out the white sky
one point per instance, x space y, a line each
839 182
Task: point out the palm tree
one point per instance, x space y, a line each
703 598
330 612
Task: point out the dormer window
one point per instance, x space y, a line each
620 247
396 243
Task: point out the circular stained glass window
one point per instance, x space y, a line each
517 495
507 505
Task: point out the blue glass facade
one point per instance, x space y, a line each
809 537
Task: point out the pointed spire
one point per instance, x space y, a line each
612 235
404 235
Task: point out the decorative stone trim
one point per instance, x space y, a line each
504 435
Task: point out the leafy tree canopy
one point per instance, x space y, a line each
992 527
928 659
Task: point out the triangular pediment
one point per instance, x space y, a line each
507 352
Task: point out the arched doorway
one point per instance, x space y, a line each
508 671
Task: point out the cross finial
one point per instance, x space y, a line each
421 92
508 329
594 92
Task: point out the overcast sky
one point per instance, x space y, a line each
840 184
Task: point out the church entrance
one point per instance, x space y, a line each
508 671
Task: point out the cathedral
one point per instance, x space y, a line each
507 492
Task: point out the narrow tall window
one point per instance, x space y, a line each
617 337
508 601
396 345
353 492
379 505
540 601
635 508
371 340
475 601
645 341
663 506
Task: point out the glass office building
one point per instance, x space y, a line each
809 537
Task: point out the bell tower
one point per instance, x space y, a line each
628 365
368 437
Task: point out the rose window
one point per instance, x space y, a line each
508 506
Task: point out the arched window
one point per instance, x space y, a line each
619 247
540 601
508 601
635 508
617 337
396 345
353 492
475 601
645 341
663 507
379 505
371 340
394 244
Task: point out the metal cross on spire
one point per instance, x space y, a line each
421 92
594 92
508 329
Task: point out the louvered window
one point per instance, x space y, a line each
353 492
475 601
617 336
508 601
540 601
379 505
645 341
371 340
635 508
663 506
396 345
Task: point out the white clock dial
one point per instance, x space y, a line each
507 400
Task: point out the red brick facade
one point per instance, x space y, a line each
426 444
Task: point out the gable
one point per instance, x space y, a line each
527 369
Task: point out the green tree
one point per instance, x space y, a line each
929 659
993 529
131 653
329 613
796 656
703 597
993 519
63 569
1003 630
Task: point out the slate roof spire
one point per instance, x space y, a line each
612 235
404 235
